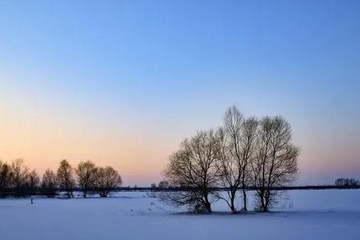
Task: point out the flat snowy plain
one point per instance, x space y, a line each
325 214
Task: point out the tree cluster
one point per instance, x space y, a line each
17 180
347 182
243 153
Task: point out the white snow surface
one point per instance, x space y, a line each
325 214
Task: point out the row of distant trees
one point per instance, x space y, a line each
347 182
244 152
17 180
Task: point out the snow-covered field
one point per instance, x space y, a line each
328 215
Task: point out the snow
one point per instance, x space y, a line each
327 214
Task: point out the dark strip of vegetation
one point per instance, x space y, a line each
11 192
17 181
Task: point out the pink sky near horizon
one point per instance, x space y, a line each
43 139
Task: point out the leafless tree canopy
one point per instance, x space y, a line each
6 176
237 150
244 152
107 179
33 182
16 179
19 176
346 182
163 184
194 166
275 164
65 177
49 183
86 172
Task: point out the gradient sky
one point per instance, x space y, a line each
124 82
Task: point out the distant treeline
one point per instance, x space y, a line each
284 188
62 191
16 180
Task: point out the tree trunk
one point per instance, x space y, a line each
232 202
233 210
262 198
244 200
207 204
208 207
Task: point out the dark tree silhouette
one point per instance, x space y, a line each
5 178
65 178
163 184
194 166
237 150
49 184
86 172
33 182
275 164
107 179
347 182
19 177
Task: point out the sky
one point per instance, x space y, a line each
122 83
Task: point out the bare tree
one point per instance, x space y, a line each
163 184
5 178
20 174
107 179
346 182
275 164
86 172
229 172
65 177
238 147
33 182
193 167
49 183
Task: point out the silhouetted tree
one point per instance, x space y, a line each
237 151
49 184
347 182
65 178
107 179
86 172
193 166
153 185
5 178
33 182
275 164
20 174
164 184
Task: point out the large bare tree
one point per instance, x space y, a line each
275 164
238 146
86 172
65 177
107 179
194 167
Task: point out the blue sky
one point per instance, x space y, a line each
150 73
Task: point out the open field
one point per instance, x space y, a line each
327 214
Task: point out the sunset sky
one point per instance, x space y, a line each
124 82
